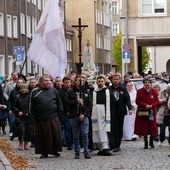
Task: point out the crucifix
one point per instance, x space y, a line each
80 28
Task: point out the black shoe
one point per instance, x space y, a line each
32 146
87 156
105 152
145 147
100 153
64 143
156 138
116 149
43 156
152 145
11 138
77 156
56 154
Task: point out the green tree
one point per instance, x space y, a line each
145 58
116 51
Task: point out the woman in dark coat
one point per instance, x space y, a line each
146 125
3 111
20 107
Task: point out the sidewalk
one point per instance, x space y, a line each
4 163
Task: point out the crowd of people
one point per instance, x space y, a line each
77 111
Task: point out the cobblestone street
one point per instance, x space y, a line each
132 157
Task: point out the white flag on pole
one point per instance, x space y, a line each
48 47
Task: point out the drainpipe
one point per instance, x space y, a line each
6 37
126 26
103 64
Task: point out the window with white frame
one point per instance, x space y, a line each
15 26
40 71
43 3
115 28
39 4
99 41
98 17
1 24
106 43
28 26
34 25
9 26
69 45
22 23
10 64
153 7
106 19
114 8
28 65
2 64
34 2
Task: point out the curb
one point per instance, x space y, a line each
5 162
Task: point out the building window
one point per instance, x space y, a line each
98 17
115 29
34 2
115 8
99 41
15 24
9 26
28 65
2 64
10 64
1 24
106 20
43 3
28 26
69 45
39 4
34 25
22 24
106 43
153 7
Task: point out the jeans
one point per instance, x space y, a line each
82 126
67 130
163 128
11 122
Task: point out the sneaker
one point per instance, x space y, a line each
10 134
160 143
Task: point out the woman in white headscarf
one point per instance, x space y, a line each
129 120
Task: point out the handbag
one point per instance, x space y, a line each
143 112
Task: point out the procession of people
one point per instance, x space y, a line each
93 115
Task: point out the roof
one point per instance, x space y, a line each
67 27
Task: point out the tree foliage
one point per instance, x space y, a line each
116 51
145 58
